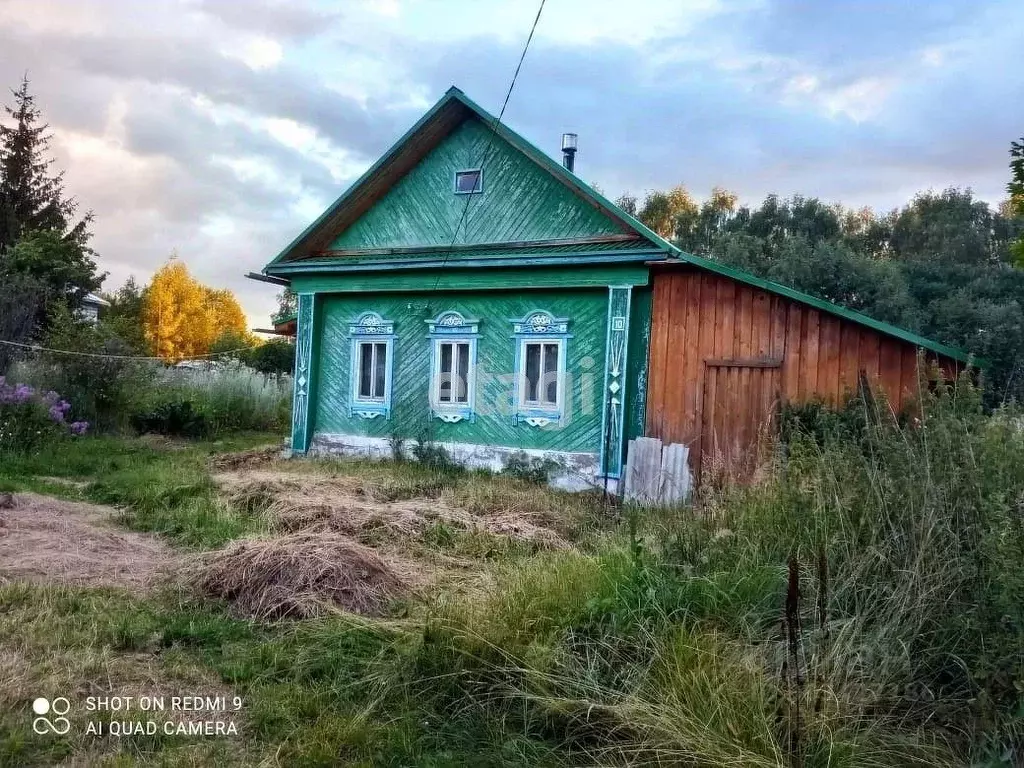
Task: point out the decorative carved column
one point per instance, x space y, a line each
615 380
302 419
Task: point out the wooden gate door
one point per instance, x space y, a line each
740 405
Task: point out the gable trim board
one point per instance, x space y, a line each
462 278
503 259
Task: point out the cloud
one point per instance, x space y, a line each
275 19
220 129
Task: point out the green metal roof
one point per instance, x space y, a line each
655 245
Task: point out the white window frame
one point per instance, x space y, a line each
373 344
541 405
370 328
480 181
540 327
451 327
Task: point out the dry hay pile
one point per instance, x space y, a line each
342 543
300 575
70 542
254 457
292 502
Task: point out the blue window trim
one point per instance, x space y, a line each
370 327
453 327
538 326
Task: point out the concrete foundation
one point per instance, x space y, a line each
577 471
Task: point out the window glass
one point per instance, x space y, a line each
551 374
445 382
532 373
373 358
462 388
380 354
366 371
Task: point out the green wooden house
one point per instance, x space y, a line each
471 291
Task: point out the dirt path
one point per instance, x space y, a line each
44 539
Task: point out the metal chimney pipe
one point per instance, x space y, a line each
569 150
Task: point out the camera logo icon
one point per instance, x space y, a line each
59 724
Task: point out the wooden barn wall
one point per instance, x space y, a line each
753 343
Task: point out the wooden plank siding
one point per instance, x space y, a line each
723 355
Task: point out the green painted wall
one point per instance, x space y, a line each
586 309
520 200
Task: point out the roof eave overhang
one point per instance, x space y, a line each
349 266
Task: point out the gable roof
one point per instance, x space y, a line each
429 131
438 123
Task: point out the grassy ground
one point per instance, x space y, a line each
860 607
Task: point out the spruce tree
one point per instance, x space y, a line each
39 238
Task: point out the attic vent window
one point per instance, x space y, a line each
468 182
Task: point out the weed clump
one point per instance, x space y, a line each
531 469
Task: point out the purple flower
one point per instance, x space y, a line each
57 413
79 427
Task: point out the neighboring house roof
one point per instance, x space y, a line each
92 298
310 251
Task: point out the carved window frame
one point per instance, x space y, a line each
452 327
370 328
540 326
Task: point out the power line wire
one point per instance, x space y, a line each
38 348
490 145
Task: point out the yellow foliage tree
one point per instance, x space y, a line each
662 211
182 318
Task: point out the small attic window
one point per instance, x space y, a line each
469 181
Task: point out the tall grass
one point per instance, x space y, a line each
862 604
670 643
232 396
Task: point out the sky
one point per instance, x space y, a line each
219 129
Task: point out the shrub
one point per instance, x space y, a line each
227 397
430 454
397 446
175 418
103 386
30 419
272 357
531 469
